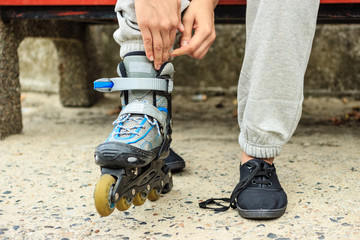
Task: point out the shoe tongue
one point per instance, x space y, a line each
139 67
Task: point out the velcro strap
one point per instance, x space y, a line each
144 108
123 84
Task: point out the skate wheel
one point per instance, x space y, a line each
139 199
102 194
123 204
154 194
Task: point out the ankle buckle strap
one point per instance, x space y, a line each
123 84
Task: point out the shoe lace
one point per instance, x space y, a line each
153 123
255 171
121 129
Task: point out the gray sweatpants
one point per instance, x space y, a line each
279 35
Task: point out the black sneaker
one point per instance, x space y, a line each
261 196
174 162
258 195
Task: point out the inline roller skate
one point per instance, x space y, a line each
132 157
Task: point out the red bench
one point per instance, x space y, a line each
112 2
228 11
45 18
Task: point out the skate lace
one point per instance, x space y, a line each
153 123
120 129
255 171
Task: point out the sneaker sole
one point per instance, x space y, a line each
176 166
261 213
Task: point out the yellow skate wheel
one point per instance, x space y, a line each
139 199
123 204
102 193
154 194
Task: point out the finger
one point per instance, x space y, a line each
148 43
157 49
185 38
187 33
166 46
178 52
180 26
190 47
201 51
172 38
199 43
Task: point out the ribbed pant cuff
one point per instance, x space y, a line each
259 151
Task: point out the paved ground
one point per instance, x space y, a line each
47 175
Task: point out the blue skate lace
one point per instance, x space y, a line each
120 129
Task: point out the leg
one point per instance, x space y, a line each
128 36
132 157
270 95
270 91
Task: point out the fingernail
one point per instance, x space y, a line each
184 43
158 67
151 58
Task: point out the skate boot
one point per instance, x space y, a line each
132 158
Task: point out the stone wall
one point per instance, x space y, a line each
335 59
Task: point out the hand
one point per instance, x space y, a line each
200 17
158 21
